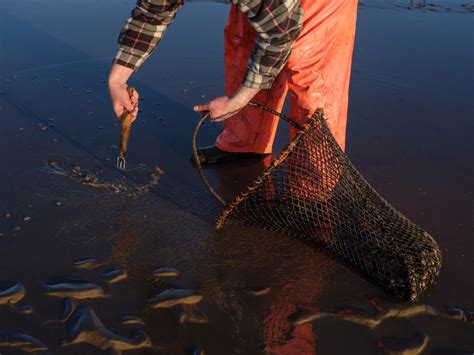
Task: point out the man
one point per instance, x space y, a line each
271 47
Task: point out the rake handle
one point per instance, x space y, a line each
198 162
196 156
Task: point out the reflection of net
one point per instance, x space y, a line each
313 192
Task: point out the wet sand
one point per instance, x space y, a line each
94 260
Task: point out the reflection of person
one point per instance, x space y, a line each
271 46
281 336
296 276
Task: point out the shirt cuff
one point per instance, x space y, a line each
257 81
125 58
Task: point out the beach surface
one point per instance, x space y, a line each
95 260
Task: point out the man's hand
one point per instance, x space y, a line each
224 107
121 101
219 108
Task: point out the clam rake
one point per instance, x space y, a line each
313 192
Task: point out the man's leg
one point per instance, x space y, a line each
319 67
251 130
318 73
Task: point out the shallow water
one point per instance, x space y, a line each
411 99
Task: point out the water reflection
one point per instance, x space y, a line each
400 72
295 273
435 6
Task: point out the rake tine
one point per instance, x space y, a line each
121 164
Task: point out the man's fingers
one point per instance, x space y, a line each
118 109
134 113
134 97
200 108
224 117
216 116
213 117
130 106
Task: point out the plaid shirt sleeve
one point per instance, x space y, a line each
278 23
144 30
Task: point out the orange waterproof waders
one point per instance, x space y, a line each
317 75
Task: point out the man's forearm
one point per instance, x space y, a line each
119 75
274 38
244 95
144 30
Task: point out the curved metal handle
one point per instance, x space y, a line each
195 153
278 114
198 163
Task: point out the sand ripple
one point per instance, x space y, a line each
86 264
173 297
21 341
81 290
165 272
373 320
12 295
114 275
85 327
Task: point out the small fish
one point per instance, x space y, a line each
75 290
127 119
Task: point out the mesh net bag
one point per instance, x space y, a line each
312 191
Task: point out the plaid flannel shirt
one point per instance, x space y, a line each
277 23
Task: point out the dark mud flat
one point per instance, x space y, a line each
94 260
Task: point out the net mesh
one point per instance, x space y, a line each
312 191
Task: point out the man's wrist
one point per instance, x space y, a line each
243 96
119 74
254 80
